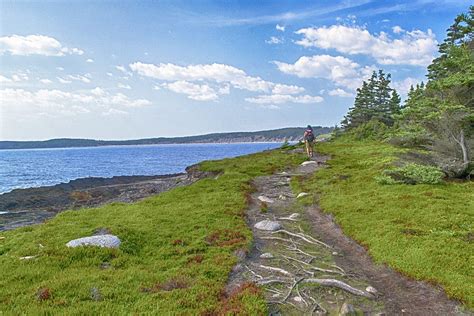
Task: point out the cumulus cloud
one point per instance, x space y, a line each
206 82
287 89
90 60
340 70
284 98
58 102
35 45
397 29
412 48
274 40
62 80
45 81
340 93
280 28
198 92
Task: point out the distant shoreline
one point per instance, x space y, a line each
145 145
291 134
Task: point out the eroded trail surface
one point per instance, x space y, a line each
307 266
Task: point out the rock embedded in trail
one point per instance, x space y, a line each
347 310
105 241
266 255
306 163
268 225
265 199
371 290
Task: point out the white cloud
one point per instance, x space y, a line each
124 86
198 92
110 74
62 80
284 98
340 93
286 89
280 28
397 29
55 101
4 79
35 45
45 81
412 48
60 68
340 70
124 70
85 78
90 60
274 40
403 86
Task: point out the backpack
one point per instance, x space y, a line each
309 135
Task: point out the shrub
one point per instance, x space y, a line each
372 130
411 174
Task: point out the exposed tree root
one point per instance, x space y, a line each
339 284
302 236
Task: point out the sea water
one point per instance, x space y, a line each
26 168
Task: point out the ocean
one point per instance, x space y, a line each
28 168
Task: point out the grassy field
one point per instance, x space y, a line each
177 251
424 231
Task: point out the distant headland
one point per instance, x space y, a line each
276 135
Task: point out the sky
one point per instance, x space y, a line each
139 69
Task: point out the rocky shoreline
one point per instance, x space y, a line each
36 205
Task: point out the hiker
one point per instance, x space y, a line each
309 139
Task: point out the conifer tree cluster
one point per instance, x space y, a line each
374 100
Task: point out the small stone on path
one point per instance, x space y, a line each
268 225
282 197
266 255
308 163
106 241
302 194
265 199
347 310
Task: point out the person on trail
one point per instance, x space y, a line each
308 137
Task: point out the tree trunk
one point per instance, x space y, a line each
465 153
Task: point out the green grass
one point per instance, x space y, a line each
176 253
424 231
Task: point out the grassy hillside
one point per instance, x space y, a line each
424 231
177 251
277 135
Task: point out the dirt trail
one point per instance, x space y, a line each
309 267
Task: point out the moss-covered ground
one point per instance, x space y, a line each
177 251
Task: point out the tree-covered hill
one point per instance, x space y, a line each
276 135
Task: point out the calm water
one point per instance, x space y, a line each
40 167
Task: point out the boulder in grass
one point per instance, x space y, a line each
268 225
105 241
263 198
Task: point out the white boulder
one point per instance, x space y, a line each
106 241
268 225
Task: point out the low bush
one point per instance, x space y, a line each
411 174
372 130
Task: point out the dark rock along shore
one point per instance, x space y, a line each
35 205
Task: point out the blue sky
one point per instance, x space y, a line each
126 69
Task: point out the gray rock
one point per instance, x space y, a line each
95 294
347 310
266 255
106 241
265 199
308 163
371 290
302 194
268 225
